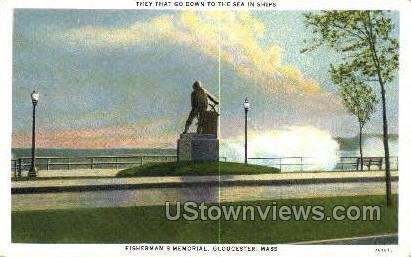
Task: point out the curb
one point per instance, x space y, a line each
225 183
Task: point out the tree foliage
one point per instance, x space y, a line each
359 99
363 37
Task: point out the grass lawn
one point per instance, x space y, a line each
195 168
149 225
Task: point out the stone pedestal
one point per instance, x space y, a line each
197 147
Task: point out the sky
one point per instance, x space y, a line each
122 78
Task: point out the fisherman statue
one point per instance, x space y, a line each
202 145
206 119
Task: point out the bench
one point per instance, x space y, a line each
369 161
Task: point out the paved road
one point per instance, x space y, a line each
278 178
207 192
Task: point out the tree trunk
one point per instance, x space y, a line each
386 148
384 112
361 155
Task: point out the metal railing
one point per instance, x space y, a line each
89 162
298 163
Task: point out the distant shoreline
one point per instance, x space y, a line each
64 152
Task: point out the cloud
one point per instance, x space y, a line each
236 34
137 135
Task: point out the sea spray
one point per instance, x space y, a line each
319 149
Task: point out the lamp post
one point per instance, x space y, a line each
33 170
246 107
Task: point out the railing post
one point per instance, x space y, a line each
15 168
301 163
141 160
19 171
116 163
281 160
48 163
397 162
92 163
68 163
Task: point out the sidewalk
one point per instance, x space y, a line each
76 173
113 183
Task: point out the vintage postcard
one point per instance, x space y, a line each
208 128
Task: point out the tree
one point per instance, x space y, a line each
360 100
369 54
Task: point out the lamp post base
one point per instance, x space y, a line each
32 172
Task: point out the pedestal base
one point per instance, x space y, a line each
197 147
